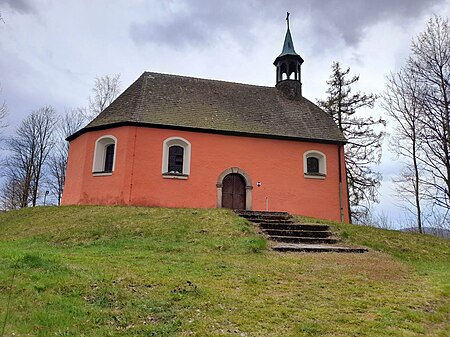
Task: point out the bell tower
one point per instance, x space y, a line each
288 64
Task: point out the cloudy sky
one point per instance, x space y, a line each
51 50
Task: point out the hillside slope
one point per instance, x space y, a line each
129 271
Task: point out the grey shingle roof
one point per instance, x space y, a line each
162 100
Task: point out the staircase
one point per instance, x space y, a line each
290 236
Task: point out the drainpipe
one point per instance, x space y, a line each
341 207
132 167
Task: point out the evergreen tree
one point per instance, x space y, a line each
364 138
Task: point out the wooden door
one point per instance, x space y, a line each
233 191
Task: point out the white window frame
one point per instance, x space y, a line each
98 163
322 164
186 145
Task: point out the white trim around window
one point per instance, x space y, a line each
98 164
186 145
322 164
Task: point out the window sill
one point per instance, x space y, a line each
315 175
175 176
100 174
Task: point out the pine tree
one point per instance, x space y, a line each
364 138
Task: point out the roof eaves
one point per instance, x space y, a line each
203 130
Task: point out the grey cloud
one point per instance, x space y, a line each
331 20
21 6
202 21
179 33
348 19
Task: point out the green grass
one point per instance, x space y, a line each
130 271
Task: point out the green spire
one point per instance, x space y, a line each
288 46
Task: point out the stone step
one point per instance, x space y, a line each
271 221
317 248
297 239
298 233
264 215
294 226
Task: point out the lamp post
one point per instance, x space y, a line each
45 196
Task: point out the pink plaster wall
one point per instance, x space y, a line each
137 178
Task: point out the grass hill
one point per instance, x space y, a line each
129 271
440 232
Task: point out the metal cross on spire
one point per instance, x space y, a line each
287 19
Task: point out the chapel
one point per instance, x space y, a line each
177 141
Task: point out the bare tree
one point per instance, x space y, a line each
19 165
105 90
10 193
3 115
429 63
363 148
44 124
70 122
403 101
29 148
439 219
417 98
384 221
56 170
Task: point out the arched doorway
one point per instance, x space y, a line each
233 191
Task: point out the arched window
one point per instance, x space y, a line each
109 158
176 159
314 164
284 70
292 70
104 155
